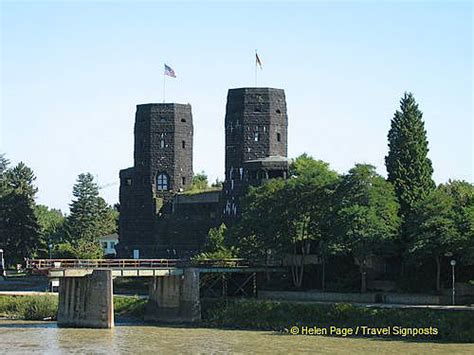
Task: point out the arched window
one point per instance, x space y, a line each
162 182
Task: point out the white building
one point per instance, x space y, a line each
108 243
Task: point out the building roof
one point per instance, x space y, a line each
273 161
112 237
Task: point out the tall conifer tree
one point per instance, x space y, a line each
408 166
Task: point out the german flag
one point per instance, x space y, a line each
258 61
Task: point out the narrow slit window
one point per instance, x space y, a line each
183 144
278 137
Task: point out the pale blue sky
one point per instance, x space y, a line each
73 73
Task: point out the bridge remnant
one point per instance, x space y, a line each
86 300
175 298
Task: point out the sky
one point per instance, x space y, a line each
72 74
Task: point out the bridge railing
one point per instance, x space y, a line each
229 263
44 264
100 263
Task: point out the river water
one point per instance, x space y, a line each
22 337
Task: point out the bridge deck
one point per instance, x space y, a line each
141 267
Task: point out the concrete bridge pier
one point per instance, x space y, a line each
86 300
175 298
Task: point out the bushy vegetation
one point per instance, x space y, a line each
29 307
216 247
200 184
453 326
130 306
45 307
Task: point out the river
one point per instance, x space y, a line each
22 337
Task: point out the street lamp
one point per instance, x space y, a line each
2 265
453 264
50 249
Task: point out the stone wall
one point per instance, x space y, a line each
255 127
163 147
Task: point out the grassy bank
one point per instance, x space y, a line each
453 326
29 307
46 307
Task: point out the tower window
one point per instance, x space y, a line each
278 111
278 137
162 140
183 120
128 181
183 144
162 182
256 136
183 180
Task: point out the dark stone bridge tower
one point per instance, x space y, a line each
162 166
256 126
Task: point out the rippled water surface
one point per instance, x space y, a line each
40 337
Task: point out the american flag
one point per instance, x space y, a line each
169 71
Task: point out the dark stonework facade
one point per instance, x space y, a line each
256 127
156 218
163 165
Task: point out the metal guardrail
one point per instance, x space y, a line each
100 263
45 264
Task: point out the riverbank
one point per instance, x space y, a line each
45 307
451 325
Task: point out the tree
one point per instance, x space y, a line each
408 166
51 223
4 162
316 183
366 216
19 230
284 218
462 193
215 247
200 182
90 217
436 233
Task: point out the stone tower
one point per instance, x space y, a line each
163 165
256 126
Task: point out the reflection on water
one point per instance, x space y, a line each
45 337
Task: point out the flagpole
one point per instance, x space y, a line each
164 79
255 68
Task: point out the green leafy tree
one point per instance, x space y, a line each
437 232
200 182
19 230
51 222
408 166
90 218
314 184
287 218
215 247
462 193
366 218
3 164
